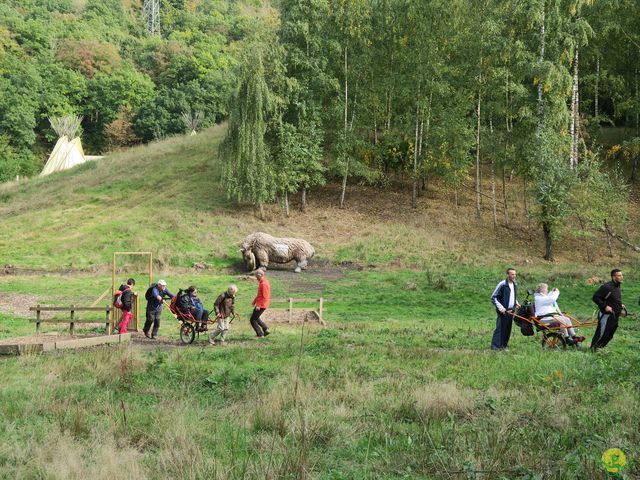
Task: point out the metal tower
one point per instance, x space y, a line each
152 16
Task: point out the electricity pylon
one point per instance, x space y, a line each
152 16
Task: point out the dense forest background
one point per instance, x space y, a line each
94 58
467 93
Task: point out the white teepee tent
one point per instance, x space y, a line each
66 154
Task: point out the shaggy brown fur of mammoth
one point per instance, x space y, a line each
260 249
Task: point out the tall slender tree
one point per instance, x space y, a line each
248 174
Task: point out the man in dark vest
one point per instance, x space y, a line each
505 299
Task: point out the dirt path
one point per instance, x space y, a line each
17 304
138 340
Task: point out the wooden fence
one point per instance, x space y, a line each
72 320
292 300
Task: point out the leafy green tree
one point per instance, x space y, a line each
551 142
599 198
249 176
298 160
19 84
349 31
62 93
9 163
106 94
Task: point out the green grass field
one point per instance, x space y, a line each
400 384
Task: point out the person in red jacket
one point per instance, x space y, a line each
127 305
260 304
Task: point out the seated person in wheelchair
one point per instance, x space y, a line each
548 311
190 303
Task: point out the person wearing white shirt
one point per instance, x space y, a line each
505 299
548 311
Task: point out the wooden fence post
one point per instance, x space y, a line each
320 310
108 320
38 320
71 329
290 310
135 312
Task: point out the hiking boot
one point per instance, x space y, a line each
578 339
146 334
266 332
569 341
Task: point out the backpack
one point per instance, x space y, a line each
148 295
173 306
117 299
526 311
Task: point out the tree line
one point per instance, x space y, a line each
94 59
468 93
447 90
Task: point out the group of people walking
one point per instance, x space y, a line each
223 307
608 298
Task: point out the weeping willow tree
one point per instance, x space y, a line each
248 174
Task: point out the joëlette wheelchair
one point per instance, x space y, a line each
190 326
552 338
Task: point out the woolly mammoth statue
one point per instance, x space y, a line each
260 249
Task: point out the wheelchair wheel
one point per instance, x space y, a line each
553 341
187 333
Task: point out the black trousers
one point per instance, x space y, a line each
607 326
258 325
203 316
153 317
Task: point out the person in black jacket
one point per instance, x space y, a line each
127 304
609 300
155 295
189 302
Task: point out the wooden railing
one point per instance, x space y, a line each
291 301
72 320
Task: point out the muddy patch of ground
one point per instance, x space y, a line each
18 304
159 343
138 340
15 270
50 337
272 315
310 280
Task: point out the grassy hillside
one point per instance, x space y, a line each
166 197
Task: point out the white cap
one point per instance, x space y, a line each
162 282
